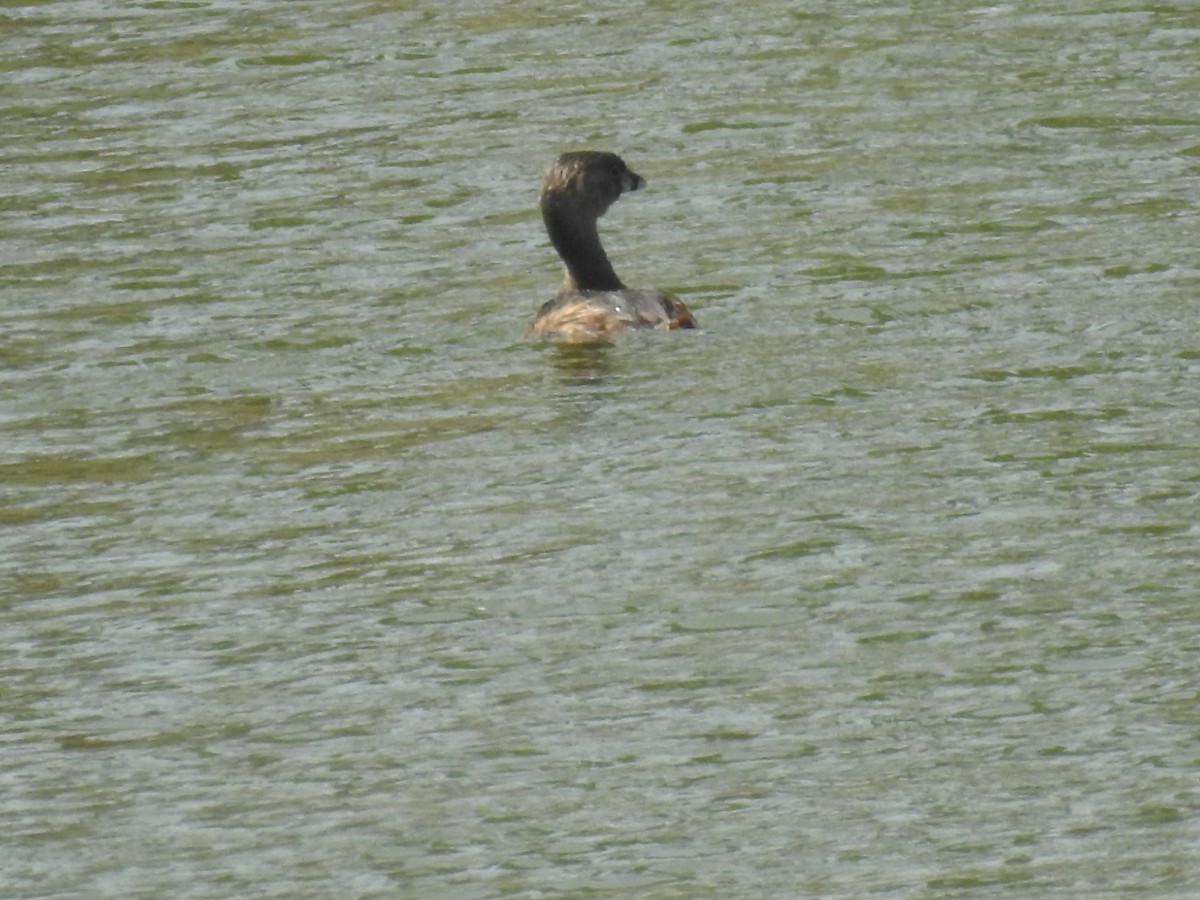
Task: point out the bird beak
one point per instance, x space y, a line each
631 181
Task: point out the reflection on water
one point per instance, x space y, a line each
583 363
317 579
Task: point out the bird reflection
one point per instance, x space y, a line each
583 363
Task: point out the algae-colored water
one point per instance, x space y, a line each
318 580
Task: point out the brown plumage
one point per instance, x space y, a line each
593 304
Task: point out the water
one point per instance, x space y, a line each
319 580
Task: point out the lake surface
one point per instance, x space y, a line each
317 579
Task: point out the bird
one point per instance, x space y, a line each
593 304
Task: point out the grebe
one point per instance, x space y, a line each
593 303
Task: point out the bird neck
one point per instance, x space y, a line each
578 243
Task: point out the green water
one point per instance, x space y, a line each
318 580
